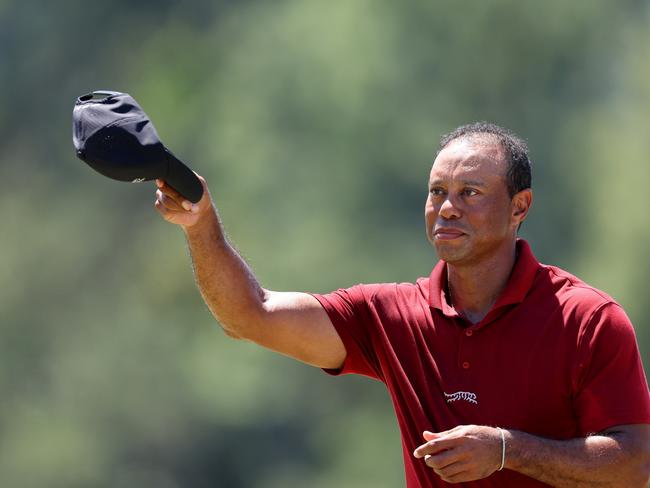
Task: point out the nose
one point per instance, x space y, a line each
448 210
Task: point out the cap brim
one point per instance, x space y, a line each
182 179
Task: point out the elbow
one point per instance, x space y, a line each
244 323
232 329
236 326
231 333
242 330
247 324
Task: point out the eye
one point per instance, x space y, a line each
470 192
437 191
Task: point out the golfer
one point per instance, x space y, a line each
503 372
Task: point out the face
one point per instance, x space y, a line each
469 214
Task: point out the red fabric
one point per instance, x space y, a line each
554 357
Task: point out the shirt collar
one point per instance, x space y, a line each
519 283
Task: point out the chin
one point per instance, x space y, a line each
450 253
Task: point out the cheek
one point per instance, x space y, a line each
494 217
429 211
429 217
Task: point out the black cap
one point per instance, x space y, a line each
115 137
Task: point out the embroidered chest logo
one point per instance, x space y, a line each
468 396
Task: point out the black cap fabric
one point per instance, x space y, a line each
116 138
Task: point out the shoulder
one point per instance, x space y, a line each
573 293
584 308
388 301
377 294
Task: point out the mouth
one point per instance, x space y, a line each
447 234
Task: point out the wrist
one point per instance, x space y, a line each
207 222
502 435
510 452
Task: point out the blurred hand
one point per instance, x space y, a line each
464 453
177 209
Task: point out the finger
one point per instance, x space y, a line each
449 469
442 459
168 207
173 194
174 205
443 433
161 209
174 216
454 473
168 202
434 446
428 436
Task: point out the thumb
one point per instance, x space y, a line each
429 436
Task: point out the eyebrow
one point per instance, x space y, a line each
464 182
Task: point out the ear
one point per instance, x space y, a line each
521 203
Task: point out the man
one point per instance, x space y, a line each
503 371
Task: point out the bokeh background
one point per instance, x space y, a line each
315 124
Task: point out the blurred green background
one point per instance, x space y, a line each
315 124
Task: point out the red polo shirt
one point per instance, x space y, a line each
554 357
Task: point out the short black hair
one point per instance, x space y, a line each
518 176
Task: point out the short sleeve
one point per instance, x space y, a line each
612 388
348 311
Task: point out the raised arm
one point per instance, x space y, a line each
293 324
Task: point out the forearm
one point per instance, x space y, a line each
226 282
597 460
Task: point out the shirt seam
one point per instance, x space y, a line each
582 334
580 284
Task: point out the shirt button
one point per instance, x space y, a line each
469 333
466 365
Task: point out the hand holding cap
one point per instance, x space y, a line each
115 137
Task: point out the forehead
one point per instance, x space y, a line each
464 159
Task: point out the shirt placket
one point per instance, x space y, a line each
467 359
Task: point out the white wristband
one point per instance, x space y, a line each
503 448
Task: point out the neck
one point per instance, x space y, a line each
473 289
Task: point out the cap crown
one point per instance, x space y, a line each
115 137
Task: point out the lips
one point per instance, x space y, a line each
447 233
